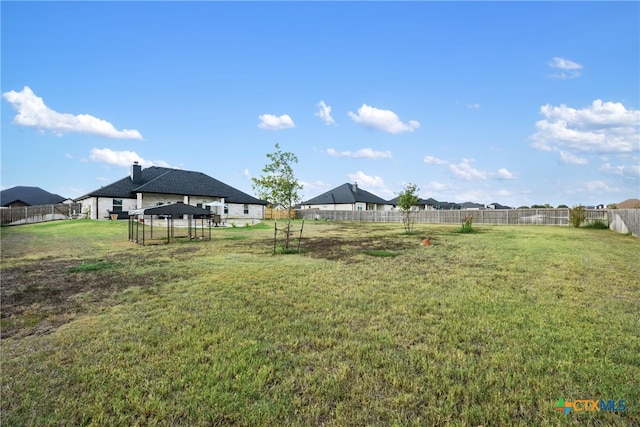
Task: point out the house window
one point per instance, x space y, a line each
117 205
226 209
246 209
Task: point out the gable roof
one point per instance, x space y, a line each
157 179
30 196
345 194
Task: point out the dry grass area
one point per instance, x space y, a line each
364 327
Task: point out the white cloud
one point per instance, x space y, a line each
602 127
430 160
600 187
630 173
473 106
365 180
571 159
366 153
312 189
325 113
504 174
384 120
438 186
271 122
32 112
465 171
246 174
122 158
570 69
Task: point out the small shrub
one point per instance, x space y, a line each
597 224
467 225
577 215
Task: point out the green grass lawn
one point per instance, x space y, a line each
364 327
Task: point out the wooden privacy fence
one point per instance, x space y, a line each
41 213
279 214
486 216
625 220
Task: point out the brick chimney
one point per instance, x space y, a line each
136 173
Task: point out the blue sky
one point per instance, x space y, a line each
508 102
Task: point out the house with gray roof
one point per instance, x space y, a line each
347 197
428 204
28 196
157 186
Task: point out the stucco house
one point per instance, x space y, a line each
347 197
156 186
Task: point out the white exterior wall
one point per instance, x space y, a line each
99 207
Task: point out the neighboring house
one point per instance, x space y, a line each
429 204
629 204
421 205
498 206
470 206
347 197
29 196
156 186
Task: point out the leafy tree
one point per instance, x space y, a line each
563 207
407 199
279 186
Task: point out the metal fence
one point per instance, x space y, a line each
485 216
41 213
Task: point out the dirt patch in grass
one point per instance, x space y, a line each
347 248
37 298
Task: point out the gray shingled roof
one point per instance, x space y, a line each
157 179
345 194
32 196
428 202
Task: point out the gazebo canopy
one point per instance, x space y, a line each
142 229
172 209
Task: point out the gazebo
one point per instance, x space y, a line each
161 224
